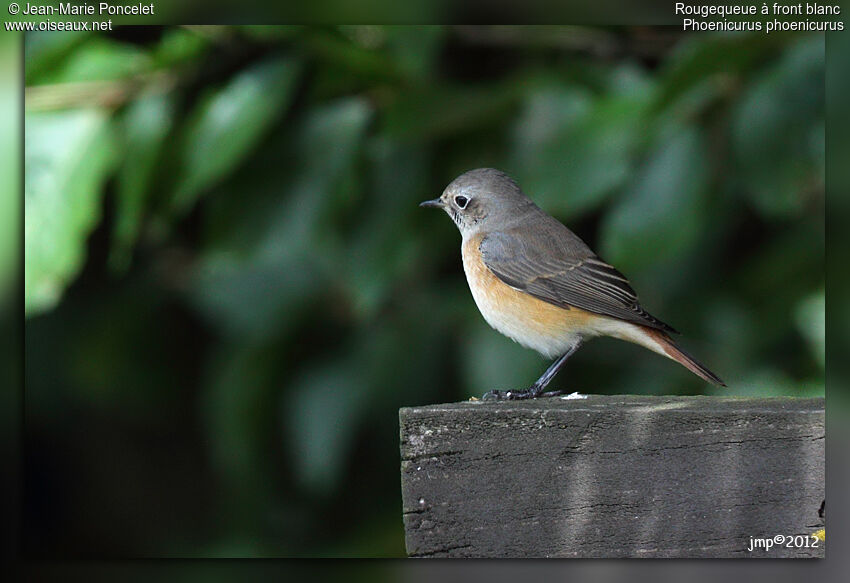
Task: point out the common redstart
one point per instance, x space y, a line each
537 283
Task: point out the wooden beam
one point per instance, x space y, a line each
613 476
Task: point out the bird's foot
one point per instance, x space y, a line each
531 392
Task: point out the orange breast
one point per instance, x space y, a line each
549 329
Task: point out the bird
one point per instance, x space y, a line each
538 283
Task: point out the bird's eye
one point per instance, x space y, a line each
461 201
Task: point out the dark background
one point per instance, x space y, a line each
230 289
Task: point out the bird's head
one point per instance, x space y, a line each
481 200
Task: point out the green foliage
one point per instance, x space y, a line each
659 218
99 59
778 134
10 202
145 126
68 156
569 142
227 125
231 290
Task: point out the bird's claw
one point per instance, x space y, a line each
516 395
495 395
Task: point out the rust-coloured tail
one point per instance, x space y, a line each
689 362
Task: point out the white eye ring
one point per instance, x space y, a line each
461 201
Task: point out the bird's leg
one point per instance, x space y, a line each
539 386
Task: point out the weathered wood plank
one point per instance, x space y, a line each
612 476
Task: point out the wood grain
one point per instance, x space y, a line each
612 476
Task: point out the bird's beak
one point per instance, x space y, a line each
436 203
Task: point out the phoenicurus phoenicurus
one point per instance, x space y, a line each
537 283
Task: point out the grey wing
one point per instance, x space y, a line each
554 265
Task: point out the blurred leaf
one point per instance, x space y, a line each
324 147
67 158
265 32
545 113
660 216
380 249
255 299
178 45
415 49
145 124
794 256
45 50
372 58
706 56
777 132
631 80
811 321
11 134
257 293
349 56
236 412
99 59
228 124
493 361
322 410
436 111
771 382
571 154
